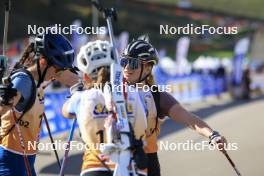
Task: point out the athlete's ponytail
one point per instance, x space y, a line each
150 81
27 58
103 76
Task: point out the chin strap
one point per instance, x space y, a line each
139 78
41 77
144 77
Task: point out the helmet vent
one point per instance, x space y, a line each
84 61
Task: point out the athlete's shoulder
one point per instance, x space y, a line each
22 81
21 77
167 101
92 93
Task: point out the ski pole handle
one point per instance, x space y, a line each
97 5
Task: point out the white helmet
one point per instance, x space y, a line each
94 55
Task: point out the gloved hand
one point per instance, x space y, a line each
109 104
7 93
140 156
218 140
111 151
3 66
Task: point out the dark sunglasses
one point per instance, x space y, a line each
132 63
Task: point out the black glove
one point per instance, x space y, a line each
140 156
3 66
7 93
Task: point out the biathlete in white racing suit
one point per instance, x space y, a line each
88 105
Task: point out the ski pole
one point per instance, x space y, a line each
7 10
22 144
231 162
7 85
68 147
3 58
51 139
124 156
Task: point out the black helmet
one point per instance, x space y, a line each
141 49
56 49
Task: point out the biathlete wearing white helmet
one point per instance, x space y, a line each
89 107
138 60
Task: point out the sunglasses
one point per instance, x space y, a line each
132 63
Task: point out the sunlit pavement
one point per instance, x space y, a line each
242 124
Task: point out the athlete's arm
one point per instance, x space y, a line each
71 107
172 108
65 110
22 84
140 125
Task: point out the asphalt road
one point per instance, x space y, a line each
242 123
